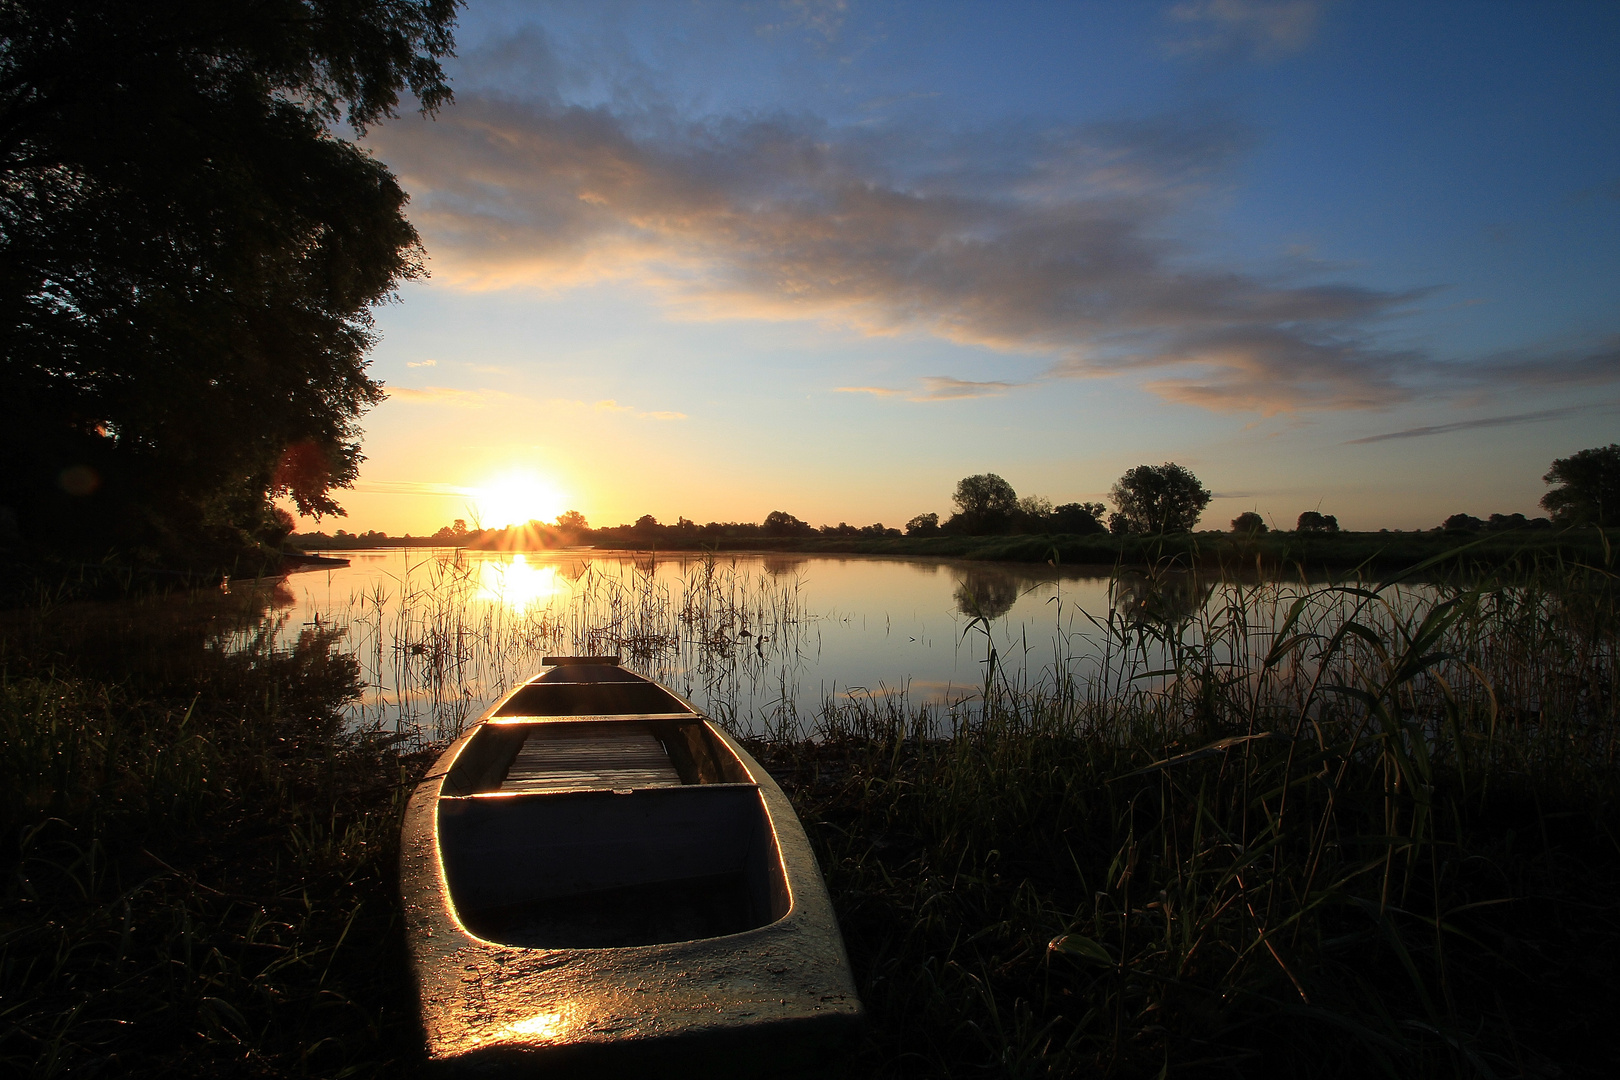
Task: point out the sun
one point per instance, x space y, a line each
515 498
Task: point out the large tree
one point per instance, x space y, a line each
1158 499
1588 491
985 503
189 254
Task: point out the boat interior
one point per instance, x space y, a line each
596 810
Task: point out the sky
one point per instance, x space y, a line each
712 259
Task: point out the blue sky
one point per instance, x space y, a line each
715 259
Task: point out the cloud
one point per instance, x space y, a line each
1595 365
1243 29
421 363
447 395
609 405
944 388
936 388
824 18
1488 422
1050 242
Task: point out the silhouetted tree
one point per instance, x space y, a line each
1158 499
782 523
985 503
923 525
1078 518
572 521
1589 487
1498 522
1462 523
191 254
1249 523
1312 522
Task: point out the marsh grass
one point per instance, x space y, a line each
1289 831
449 634
199 863
1236 828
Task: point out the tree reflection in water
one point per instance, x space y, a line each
1165 598
990 591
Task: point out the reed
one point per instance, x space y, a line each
1228 827
1286 830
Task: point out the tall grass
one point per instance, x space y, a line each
198 860
1341 831
448 635
1235 828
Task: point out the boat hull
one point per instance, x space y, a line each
558 926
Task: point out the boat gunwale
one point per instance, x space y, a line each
463 1028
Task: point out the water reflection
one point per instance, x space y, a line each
763 642
1165 599
989 591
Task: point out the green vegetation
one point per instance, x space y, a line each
1154 500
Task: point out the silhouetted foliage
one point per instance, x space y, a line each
987 592
1313 522
190 258
1499 522
1588 491
1462 523
1081 519
782 523
572 521
1249 523
985 503
1154 499
923 525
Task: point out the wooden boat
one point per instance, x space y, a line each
598 880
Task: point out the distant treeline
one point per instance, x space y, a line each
1275 550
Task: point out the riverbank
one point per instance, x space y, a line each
1330 853
1275 552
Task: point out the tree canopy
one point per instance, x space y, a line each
985 502
1314 521
189 255
1588 491
1153 499
1249 522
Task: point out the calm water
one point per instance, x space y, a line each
763 642
755 639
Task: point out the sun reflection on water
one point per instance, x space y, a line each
518 584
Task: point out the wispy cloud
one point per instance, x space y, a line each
944 388
609 405
935 388
447 395
1260 29
421 363
1488 422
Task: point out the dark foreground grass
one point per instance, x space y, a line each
199 868
1381 841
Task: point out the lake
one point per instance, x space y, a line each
758 640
